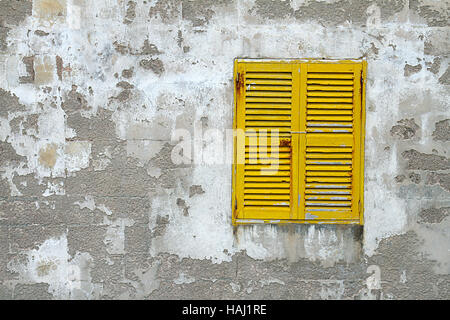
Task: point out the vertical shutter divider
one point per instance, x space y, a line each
302 141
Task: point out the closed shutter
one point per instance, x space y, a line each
313 173
267 100
330 176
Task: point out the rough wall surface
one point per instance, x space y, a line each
93 207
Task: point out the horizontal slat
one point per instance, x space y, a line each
334 112
328 161
327 191
330 94
267 140
328 174
267 124
316 75
267 179
268 99
329 118
258 131
268 185
278 203
329 140
268 82
267 105
331 67
333 82
328 130
328 179
329 156
268 75
327 168
327 203
265 191
265 167
268 155
278 197
267 161
328 185
267 111
329 124
267 173
332 105
331 197
267 149
253 87
328 213
329 100
268 93
329 150
328 88
266 117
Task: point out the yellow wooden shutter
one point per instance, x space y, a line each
267 99
319 111
330 178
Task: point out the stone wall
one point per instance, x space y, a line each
93 207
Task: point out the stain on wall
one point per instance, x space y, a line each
93 207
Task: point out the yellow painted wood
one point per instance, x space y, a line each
328 149
328 197
329 156
269 185
240 145
312 167
328 130
328 179
286 100
329 215
311 112
267 161
329 100
265 196
332 105
322 186
324 191
259 81
267 212
329 118
326 68
333 142
329 88
330 76
284 112
333 94
265 93
316 175
332 82
330 173
268 105
253 87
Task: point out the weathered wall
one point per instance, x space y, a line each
92 207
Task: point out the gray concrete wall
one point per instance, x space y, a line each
93 207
